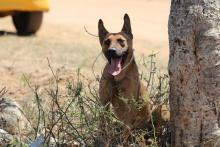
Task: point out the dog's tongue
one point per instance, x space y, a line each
115 67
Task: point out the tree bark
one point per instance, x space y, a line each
194 69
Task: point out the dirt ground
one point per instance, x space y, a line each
63 40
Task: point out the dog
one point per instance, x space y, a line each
120 84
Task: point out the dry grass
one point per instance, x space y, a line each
67 111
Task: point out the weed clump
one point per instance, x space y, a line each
68 112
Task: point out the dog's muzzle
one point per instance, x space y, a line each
116 58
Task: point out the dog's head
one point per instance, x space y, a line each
117 47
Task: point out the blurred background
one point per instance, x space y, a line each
63 40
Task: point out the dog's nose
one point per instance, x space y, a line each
112 52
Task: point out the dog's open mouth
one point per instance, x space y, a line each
116 64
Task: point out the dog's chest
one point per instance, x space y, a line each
125 90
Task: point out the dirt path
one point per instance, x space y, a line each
63 40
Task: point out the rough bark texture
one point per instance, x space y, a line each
194 69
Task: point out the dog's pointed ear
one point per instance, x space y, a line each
102 31
127 26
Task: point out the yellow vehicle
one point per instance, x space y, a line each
27 15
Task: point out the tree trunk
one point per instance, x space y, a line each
194 69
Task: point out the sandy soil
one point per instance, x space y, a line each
63 40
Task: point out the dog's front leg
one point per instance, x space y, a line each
105 100
103 139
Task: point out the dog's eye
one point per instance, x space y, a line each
107 42
121 42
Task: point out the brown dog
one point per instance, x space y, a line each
120 84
